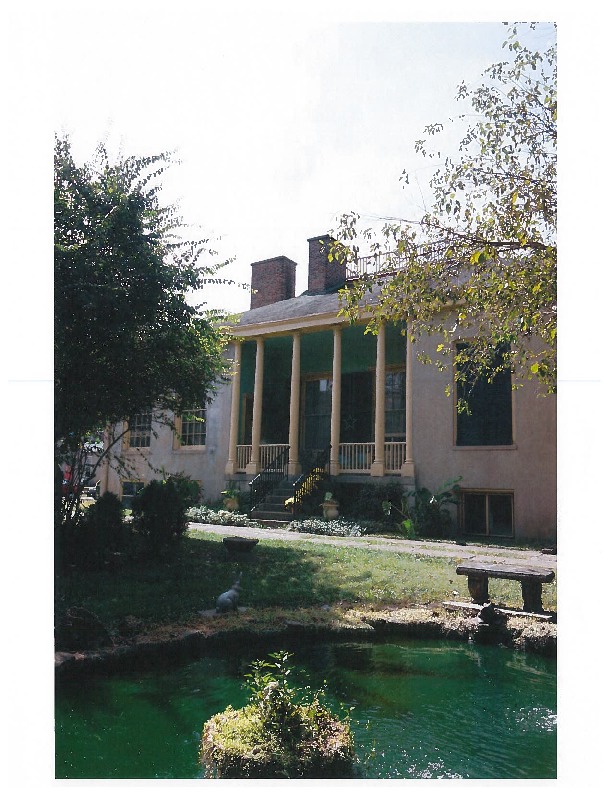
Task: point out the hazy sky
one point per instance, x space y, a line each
280 122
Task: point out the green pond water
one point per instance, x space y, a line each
421 710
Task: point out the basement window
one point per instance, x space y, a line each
487 513
128 490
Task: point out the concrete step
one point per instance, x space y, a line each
265 516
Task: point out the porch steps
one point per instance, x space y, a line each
272 509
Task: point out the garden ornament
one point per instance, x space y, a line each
228 601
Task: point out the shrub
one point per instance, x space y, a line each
159 513
100 531
204 514
105 519
316 525
188 489
280 733
362 501
425 512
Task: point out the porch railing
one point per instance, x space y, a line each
395 454
375 264
356 457
267 455
243 457
353 457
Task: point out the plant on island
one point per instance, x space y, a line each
280 733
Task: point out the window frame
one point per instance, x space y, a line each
487 493
131 433
180 422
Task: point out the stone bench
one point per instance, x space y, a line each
530 579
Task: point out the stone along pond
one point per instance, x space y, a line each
420 710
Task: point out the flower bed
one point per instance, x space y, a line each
326 527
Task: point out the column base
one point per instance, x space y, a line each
252 469
334 468
408 470
230 468
294 468
377 469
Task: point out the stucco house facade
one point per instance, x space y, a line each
305 382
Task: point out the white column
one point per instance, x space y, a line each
294 408
254 465
378 465
408 469
334 460
230 467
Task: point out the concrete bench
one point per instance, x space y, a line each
530 579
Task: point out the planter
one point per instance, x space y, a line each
231 504
330 510
239 545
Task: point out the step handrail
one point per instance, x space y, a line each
308 482
267 479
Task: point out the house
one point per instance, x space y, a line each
308 389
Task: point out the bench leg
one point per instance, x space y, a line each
532 596
478 586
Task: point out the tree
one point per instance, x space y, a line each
487 245
126 339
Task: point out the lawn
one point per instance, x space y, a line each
275 575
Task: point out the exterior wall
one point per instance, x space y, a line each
205 464
528 467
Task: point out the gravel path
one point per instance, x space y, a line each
471 552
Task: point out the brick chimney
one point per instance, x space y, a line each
323 275
272 280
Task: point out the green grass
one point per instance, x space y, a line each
275 574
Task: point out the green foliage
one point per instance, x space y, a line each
126 338
159 514
105 519
281 733
362 501
425 512
89 543
187 488
487 246
315 525
206 515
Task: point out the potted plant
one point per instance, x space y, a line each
231 499
330 507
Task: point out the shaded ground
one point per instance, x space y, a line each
192 636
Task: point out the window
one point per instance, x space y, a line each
395 405
487 513
128 490
356 407
193 427
140 430
317 413
488 420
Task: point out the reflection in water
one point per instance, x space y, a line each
421 710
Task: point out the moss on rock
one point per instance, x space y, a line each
239 744
280 733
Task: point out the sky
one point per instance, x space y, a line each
280 123
283 116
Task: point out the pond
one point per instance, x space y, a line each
420 710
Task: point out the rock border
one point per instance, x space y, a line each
184 643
